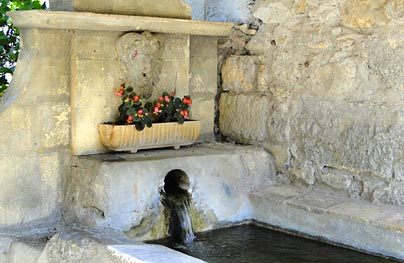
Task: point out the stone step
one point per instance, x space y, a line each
103 246
359 224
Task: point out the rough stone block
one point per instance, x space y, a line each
275 12
244 117
362 137
239 74
336 179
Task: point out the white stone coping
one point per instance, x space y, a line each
109 22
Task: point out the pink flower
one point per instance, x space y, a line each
156 110
118 93
167 99
184 113
130 119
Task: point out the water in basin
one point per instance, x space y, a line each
250 243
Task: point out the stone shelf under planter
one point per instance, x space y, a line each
124 23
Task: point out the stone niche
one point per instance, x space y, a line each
152 53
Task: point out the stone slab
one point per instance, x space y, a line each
353 223
120 23
99 245
157 8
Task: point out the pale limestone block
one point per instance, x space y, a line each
117 23
86 83
203 65
239 74
39 183
16 129
171 8
173 77
204 111
109 83
55 132
175 47
87 45
244 117
85 135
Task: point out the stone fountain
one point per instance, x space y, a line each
54 167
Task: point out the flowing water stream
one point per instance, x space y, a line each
180 225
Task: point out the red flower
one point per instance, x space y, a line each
184 113
140 112
161 98
118 93
136 98
130 119
156 110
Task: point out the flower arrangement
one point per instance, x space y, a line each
167 108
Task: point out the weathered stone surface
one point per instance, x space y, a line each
27 252
244 117
334 94
354 223
85 245
228 10
171 8
139 61
117 23
339 180
109 190
239 74
5 242
364 14
35 124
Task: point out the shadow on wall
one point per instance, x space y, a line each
221 10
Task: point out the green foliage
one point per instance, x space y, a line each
166 108
9 37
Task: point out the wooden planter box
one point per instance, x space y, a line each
170 134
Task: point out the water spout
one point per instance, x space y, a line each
180 225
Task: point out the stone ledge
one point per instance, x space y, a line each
97 246
106 22
358 224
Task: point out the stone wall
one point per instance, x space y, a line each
320 86
34 155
